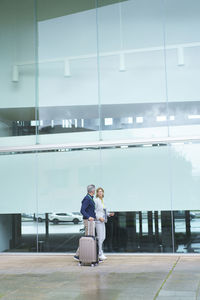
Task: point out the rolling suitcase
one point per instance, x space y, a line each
88 247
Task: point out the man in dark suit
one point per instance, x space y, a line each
87 210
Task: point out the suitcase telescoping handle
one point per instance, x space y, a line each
91 228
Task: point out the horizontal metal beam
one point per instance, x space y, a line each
100 144
111 53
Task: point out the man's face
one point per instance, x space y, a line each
92 192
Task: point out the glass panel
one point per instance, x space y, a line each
17 233
6 231
68 82
63 178
132 70
185 176
18 183
136 178
59 232
17 72
187 231
143 231
183 70
29 234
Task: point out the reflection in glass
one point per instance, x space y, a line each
142 232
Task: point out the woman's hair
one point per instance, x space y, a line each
100 188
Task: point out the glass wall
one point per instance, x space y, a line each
97 71
153 190
90 70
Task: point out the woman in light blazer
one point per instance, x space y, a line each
101 218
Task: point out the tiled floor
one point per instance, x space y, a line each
121 277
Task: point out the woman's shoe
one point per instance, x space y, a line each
103 257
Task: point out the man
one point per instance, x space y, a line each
88 211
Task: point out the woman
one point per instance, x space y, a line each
101 219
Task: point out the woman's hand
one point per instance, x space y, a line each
101 219
112 214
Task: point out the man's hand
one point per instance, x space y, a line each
112 214
101 219
91 219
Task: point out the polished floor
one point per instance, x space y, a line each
120 277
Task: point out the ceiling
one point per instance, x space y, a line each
49 9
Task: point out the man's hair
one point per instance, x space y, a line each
90 188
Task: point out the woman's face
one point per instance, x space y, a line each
100 193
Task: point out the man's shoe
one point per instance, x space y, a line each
100 260
76 257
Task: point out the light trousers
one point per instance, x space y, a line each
101 235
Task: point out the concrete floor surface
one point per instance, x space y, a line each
120 277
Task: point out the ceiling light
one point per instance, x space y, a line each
15 73
122 67
180 53
67 72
